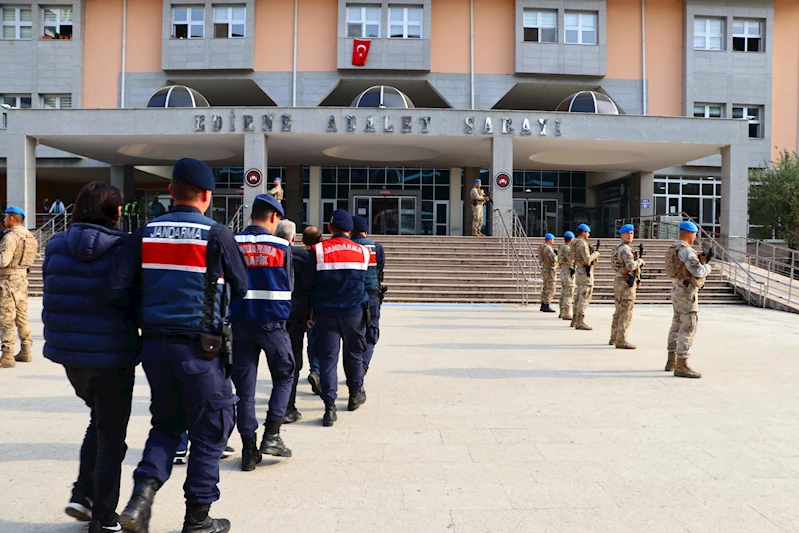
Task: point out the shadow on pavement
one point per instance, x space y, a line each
499 373
28 527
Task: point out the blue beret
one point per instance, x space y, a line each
277 179
359 224
569 235
342 220
689 226
584 227
549 237
14 210
626 228
270 200
194 172
478 180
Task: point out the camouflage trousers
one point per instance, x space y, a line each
583 294
548 288
14 312
624 298
566 292
477 219
685 301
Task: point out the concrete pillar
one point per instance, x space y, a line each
255 156
502 161
315 198
292 193
647 192
469 175
455 195
122 179
735 190
21 176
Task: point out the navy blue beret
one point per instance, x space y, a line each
359 224
341 220
270 200
194 172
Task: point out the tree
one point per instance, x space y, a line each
774 198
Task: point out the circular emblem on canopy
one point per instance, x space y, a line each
502 180
253 177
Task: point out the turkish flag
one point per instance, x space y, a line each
360 49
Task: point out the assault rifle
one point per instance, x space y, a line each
709 255
588 267
631 277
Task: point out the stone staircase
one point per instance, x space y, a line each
35 281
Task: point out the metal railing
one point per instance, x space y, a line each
56 224
528 256
237 222
512 255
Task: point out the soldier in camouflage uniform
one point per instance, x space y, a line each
567 272
17 253
585 257
548 259
687 271
277 190
627 265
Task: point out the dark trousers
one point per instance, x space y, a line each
297 334
134 222
187 393
248 342
108 393
372 330
331 333
126 223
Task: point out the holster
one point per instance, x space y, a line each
587 270
208 346
630 279
474 203
572 272
367 313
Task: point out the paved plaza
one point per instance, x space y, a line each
479 419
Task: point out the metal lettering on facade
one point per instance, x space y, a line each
267 122
370 125
286 123
216 122
387 126
407 124
247 123
331 124
352 122
199 122
232 120
507 125
425 121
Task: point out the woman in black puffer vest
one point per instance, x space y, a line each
97 341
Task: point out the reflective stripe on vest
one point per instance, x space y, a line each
175 246
334 254
269 296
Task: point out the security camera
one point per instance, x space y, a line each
6 106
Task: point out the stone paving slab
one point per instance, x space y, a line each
479 419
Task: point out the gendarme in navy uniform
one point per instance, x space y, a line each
335 276
374 278
180 263
259 324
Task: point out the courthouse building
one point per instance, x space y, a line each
569 110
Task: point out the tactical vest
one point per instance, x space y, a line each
565 257
677 270
575 255
371 272
268 296
543 257
25 251
617 264
341 267
174 281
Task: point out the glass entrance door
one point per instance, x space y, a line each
224 207
537 216
388 215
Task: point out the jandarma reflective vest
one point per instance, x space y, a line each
341 266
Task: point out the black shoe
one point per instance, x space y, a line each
330 415
546 309
357 399
198 521
273 445
136 516
291 416
316 383
541 308
79 508
250 456
96 526
228 452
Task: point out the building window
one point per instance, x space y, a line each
17 102
188 22
229 22
747 35
699 197
57 102
754 116
708 34
17 22
540 26
708 111
363 22
580 28
57 23
405 22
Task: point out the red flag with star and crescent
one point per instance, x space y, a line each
360 49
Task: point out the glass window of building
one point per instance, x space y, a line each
229 22
18 102
580 28
699 197
708 33
57 102
540 26
747 35
188 22
17 22
405 22
57 23
363 22
708 111
754 116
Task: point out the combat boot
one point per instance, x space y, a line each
330 415
581 325
198 521
7 361
560 313
624 345
24 355
684 371
567 316
272 444
136 516
250 455
357 399
671 363
546 308
612 341
574 321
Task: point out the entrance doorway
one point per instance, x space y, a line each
537 216
224 207
388 215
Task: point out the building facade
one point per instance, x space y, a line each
694 82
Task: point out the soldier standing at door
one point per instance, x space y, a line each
277 190
548 259
585 257
479 199
566 264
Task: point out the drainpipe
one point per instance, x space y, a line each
471 50
294 60
124 54
643 58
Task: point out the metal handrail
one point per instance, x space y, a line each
57 224
520 233
237 222
512 256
